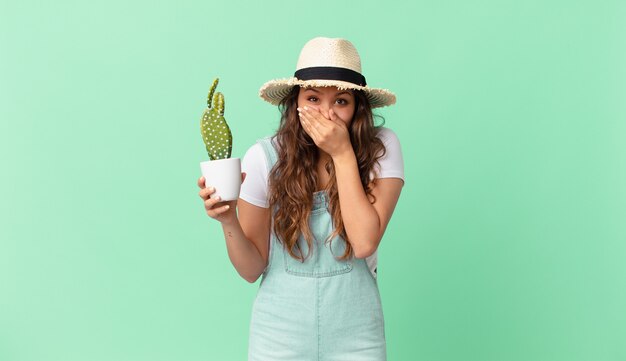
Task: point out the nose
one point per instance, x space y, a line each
324 108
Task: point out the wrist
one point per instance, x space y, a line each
230 221
344 156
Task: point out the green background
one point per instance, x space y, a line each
508 242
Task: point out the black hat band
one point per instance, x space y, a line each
330 73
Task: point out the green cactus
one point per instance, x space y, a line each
215 132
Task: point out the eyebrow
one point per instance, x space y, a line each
338 94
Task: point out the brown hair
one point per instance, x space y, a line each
293 178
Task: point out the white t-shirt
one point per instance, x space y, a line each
254 189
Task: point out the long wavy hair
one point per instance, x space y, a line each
293 179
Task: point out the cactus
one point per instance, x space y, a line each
215 132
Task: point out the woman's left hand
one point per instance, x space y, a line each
330 135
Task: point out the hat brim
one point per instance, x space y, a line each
275 90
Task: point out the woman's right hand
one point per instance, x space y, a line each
224 212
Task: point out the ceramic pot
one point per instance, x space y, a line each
224 175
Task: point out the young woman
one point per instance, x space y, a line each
314 205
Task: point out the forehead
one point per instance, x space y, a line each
325 90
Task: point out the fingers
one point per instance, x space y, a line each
213 209
215 213
210 203
205 193
321 118
308 123
318 122
315 117
214 206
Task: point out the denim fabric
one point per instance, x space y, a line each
322 309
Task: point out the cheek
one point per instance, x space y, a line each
346 115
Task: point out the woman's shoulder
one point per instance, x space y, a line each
266 139
257 146
391 164
384 132
258 152
254 156
387 135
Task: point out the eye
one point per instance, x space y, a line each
342 101
312 99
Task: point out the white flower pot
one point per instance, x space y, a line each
224 175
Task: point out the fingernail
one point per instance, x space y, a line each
298 109
227 206
306 108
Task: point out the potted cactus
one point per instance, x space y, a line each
221 172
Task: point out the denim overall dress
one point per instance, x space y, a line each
320 309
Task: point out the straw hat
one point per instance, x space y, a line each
327 62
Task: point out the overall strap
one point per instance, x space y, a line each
270 152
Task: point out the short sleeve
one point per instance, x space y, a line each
254 187
392 163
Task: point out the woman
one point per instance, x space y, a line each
314 204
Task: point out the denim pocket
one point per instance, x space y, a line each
322 259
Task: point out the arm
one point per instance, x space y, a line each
246 234
247 240
365 223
